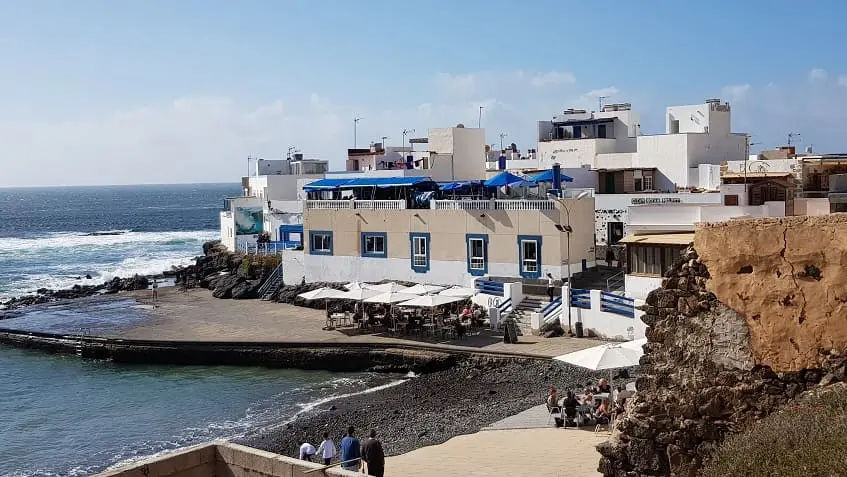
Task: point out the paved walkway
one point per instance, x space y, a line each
545 452
197 316
533 418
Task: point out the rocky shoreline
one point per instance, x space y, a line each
432 408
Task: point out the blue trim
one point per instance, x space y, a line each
489 287
285 232
312 250
412 237
537 240
365 236
484 270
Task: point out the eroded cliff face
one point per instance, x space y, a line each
735 332
788 278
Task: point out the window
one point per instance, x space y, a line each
420 251
648 182
601 131
374 244
320 242
529 256
652 259
477 254
730 199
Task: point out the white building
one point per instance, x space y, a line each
270 202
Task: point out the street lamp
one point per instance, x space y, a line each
567 229
355 131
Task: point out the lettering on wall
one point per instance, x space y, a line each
573 149
654 200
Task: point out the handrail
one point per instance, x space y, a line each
269 282
618 277
557 301
506 305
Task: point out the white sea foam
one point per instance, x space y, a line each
76 239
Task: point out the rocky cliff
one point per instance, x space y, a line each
744 322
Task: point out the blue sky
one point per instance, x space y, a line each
114 92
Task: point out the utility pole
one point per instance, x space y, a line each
502 135
479 122
384 144
355 133
748 144
791 136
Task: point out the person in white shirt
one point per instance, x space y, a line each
327 449
551 286
307 451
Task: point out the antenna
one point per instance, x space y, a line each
355 133
502 135
600 102
791 136
406 132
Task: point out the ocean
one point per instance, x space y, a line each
65 416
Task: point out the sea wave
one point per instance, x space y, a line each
266 415
64 240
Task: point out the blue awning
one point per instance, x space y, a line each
362 182
547 176
448 186
503 179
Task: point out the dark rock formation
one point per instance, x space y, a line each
701 380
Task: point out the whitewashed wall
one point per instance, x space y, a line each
638 287
604 324
293 269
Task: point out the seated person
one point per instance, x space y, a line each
604 387
466 313
552 398
588 397
603 413
570 406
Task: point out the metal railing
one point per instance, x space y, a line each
276 274
268 248
496 204
552 310
616 281
505 306
581 298
490 287
617 304
355 204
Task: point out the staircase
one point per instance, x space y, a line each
272 284
530 304
609 279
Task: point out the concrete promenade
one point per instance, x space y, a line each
197 316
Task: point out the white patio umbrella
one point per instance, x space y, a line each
458 291
430 301
352 285
389 287
390 297
608 356
637 345
421 289
322 293
358 294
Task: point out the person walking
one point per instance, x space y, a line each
373 455
551 285
307 451
327 449
350 451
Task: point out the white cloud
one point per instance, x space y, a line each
842 81
605 92
736 92
817 74
458 83
552 78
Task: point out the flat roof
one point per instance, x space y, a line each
660 239
330 184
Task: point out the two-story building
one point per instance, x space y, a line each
406 230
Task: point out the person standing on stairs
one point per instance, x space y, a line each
551 285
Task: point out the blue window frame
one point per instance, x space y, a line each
375 244
320 242
477 250
529 256
419 255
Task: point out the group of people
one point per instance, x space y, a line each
595 401
366 456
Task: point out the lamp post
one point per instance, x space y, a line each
355 132
566 228
479 122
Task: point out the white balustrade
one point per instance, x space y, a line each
525 204
462 205
328 204
355 204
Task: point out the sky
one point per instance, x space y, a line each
178 91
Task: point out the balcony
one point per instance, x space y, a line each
354 204
494 204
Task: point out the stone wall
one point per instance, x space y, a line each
735 332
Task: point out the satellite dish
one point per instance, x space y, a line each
460 125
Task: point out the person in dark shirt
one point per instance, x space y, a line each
373 455
350 451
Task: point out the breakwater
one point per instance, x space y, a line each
342 357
